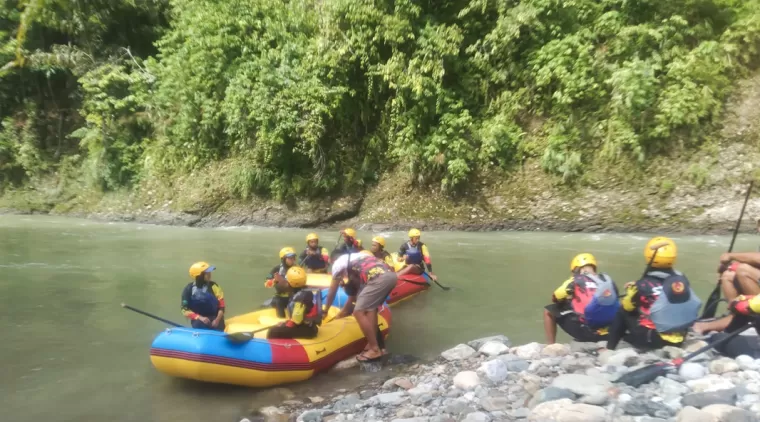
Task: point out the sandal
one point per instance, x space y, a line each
361 357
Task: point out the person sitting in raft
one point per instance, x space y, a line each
203 299
658 309
413 264
414 243
739 275
349 244
276 279
304 312
315 258
378 250
584 305
370 281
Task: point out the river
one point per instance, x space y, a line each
70 353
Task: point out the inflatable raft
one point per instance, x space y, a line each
407 286
209 356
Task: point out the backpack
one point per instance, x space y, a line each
600 303
677 305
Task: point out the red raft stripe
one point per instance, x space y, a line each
289 350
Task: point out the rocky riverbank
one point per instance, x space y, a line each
488 380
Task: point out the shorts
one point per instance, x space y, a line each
637 335
571 323
375 292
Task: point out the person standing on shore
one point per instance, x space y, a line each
658 309
203 299
584 305
370 281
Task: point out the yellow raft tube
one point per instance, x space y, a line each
211 356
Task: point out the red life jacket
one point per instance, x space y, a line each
366 269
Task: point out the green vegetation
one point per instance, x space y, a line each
308 97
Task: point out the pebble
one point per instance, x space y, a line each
390 399
495 403
477 344
726 413
596 399
692 414
709 383
723 365
746 363
700 400
672 388
493 348
564 410
550 394
640 407
347 403
459 352
398 382
556 349
621 357
691 371
528 351
477 417
580 384
466 380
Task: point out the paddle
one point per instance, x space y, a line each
712 302
445 288
246 336
166 321
649 373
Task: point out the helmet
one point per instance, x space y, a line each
666 251
379 240
311 236
296 277
199 268
414 233
287 251
414 257
349 232
581 260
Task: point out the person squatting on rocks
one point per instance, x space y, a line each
584 305
203 299
304 311
658 309
739 275
369 281
276 279
314 258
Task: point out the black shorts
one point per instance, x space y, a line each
638 335
570 323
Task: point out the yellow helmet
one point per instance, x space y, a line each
349 232
312 236
296 277
287 251
379 240
199 268
581 260
666 252
414 233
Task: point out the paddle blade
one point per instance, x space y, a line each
239 337
645 375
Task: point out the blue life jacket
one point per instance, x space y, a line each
597 299
203 301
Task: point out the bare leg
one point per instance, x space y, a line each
730 293
368 324
748 277
550 327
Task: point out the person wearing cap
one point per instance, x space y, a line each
369 282
378 250
203 299
276 279
415 244
349 244
314 258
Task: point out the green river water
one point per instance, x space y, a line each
70 353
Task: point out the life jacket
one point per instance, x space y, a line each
595 299
203 301
365 269
677 305
316 261
313 313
